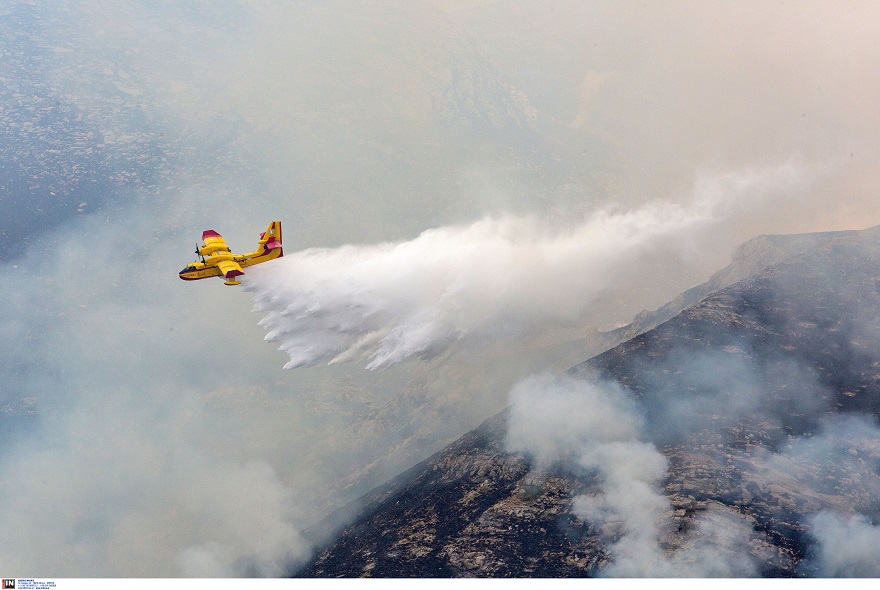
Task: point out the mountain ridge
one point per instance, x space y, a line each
749 258
735 391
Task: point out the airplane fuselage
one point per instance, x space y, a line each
218 261
207 269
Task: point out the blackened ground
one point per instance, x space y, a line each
799 337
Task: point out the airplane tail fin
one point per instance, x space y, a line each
270 240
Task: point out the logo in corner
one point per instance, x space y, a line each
7 583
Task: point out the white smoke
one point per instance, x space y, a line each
499 278
836 472
128 469
599 429
720 546
147 476
847 546
558 418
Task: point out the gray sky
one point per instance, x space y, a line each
131 127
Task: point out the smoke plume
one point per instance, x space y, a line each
847 546
146 429
747 421
599 429
838 468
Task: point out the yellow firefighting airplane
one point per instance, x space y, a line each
218 261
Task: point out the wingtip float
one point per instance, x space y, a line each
217 260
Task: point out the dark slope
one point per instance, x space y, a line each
749 259
758 367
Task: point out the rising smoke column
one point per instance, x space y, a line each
826 478
599 429
839 463
846 545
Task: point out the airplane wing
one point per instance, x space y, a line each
214 243
229 269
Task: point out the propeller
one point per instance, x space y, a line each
199 254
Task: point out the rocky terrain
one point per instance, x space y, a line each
763 397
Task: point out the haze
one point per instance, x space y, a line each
151 431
